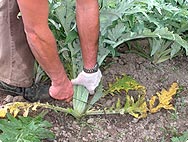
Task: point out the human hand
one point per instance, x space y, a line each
88 80
62 91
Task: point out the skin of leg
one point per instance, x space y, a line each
87 18
43 46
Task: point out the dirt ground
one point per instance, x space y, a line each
158 127
124 128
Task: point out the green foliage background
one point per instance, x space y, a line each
25 129
162 22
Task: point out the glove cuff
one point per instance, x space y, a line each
93 70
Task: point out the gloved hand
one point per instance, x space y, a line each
88 80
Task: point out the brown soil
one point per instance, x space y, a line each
124 128
156 127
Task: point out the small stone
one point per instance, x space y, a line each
8 99
109 102
75 125
135 120
56 128
109 127
90 120
121 62
18 99
71 139
85 139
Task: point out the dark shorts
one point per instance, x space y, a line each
16 59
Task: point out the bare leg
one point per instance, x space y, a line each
87 18
43 46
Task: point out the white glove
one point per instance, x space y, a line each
88 80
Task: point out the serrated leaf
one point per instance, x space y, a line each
175 48
164 99
182 138
118 104
25 129
116 32
16 107
136 108
3 112
125 83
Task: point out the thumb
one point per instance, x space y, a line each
51 91
92 92
91 89
75 81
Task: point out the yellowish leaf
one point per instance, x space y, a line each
26 112
134 114
15 108
164 99
125 83
135 107
3 112
15 112
144 110
152 102
35 105
118 104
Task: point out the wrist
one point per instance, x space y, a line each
94 69
60 82
59 79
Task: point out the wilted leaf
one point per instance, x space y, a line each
16 107
26 112
125 83
3 112
35 106
118 104
25 107
135 107
164 99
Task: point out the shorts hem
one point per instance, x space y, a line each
16 83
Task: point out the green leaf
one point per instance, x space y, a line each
72 35
164 22
98 94
116 32
25 129
118 104
182 138
175 48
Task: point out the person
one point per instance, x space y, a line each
21 42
